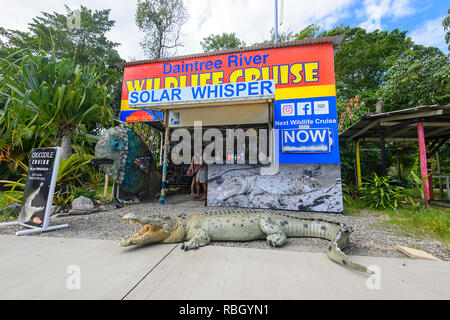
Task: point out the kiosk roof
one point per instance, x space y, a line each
335 40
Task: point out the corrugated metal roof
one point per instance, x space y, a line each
401 124
335 40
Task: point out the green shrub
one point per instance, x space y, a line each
379 194
91 194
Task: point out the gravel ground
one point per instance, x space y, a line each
368 239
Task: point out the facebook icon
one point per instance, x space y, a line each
304 108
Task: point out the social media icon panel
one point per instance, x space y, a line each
321 107
304 108
287 109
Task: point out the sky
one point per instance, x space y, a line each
252 20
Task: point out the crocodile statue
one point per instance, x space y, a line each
197 230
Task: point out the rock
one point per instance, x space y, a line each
11 210
415 253
107 207
81 205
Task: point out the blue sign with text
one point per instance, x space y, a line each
308 130
305 140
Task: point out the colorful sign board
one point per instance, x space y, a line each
141 115
238 91
303 76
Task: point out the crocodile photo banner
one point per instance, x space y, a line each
40 186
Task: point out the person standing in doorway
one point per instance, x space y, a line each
201 179
191 172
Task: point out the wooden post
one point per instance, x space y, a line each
438 165
399 170
358 166
429 168
161 137
383 155
112 191
105 190
423 160
166 151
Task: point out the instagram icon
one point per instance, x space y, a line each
287 109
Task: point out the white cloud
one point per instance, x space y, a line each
430 33
252 20
19 13
373 11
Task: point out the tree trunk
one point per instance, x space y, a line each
66 147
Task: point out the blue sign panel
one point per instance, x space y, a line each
308 130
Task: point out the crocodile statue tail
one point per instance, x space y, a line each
337 233
335 253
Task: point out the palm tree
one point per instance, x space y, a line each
58 97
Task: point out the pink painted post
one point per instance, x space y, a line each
423 159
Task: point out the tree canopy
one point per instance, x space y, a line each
84 44
55 96
446 25
161 21
221 42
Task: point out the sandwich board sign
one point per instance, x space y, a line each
38 193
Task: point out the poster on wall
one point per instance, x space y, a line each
296 186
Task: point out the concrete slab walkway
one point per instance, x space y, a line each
47 268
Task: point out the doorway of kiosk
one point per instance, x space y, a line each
178 178
257 114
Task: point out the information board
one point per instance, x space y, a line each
40 186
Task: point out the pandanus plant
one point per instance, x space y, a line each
56 96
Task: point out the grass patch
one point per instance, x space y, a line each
4 201
433 222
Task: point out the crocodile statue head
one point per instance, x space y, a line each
154 229
126 159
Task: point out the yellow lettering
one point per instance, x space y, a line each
252 74
170 82
135 85
284 74
204 78
275 74
311 71
265 71
235 75
296 70
149 84
157 83
194 80
183 81
217 77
